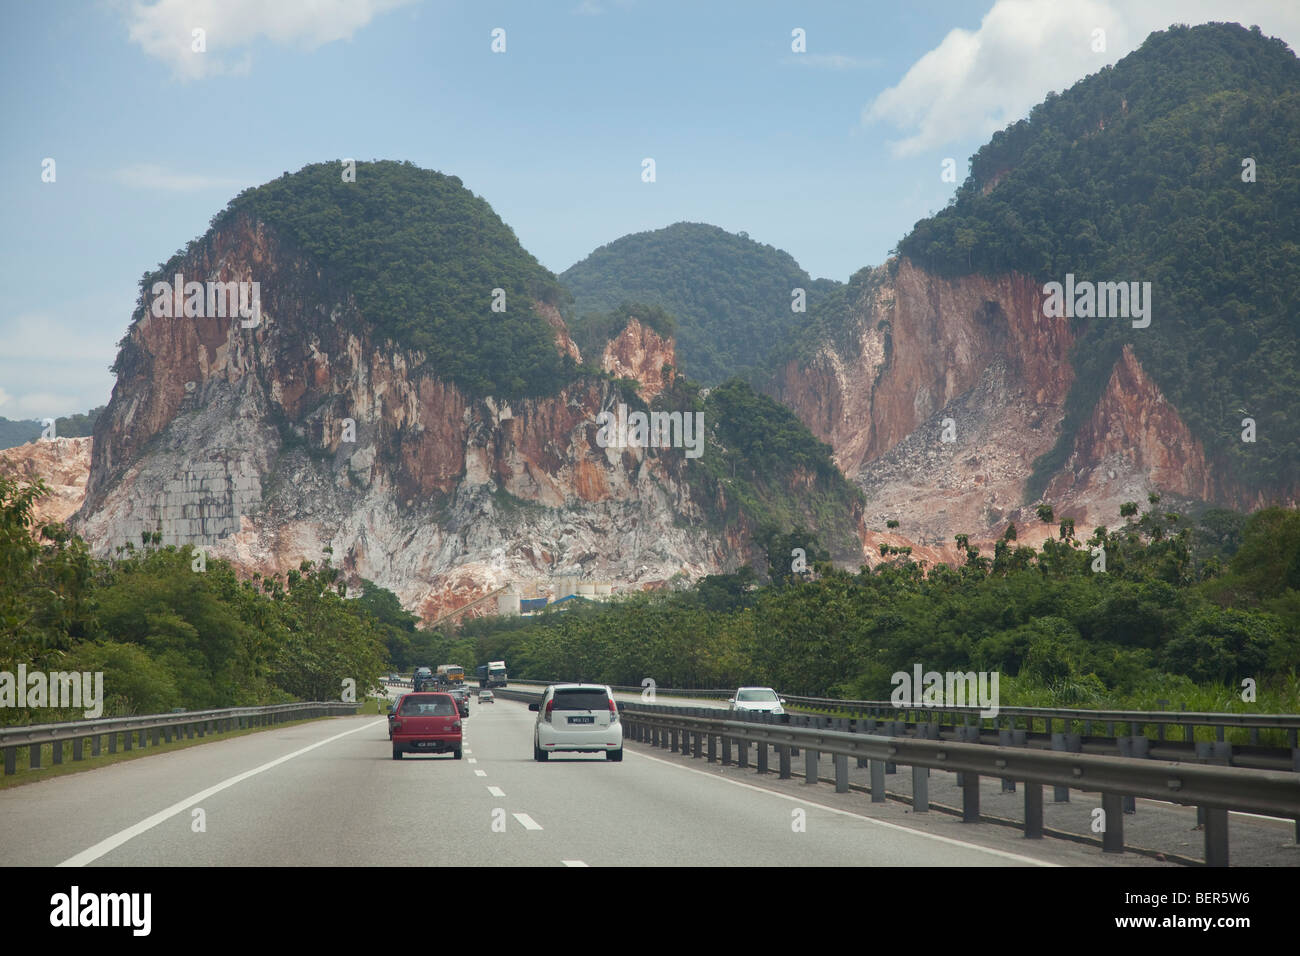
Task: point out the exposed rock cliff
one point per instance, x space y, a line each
62 463
640 352
272 443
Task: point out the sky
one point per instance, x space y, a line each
830 151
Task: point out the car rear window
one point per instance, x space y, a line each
581 699
438 705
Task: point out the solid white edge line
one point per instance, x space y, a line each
857 816
117 839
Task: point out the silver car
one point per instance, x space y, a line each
754 700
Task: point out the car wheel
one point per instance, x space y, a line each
539 754
614 755
397 754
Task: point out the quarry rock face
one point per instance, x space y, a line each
269 444
940 395
62 463
639 352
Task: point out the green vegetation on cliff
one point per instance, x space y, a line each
422 256
1135 174
730 296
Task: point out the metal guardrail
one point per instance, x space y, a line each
1214 790
150 729
1019 723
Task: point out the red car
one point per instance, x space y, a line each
427 723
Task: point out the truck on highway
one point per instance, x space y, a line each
492 674
451 675
422 679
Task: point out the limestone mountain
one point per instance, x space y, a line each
380 407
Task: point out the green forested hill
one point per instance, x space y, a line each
422 254
729 295
1135 174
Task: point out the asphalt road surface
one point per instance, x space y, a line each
328 793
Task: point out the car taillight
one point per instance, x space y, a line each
613 711
549 705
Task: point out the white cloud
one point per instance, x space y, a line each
976 82
155 177
165 29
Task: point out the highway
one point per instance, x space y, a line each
328 793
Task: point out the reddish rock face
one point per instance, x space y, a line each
639 352
62 463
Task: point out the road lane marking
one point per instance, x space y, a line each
480 773
117 839
467 750
496 791
528 822
471 760
573 863
857 816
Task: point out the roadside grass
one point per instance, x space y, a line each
372 707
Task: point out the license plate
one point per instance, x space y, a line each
581 720
426 743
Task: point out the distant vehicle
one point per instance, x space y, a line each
754 700
461 696
423 678
580 718
451 674
485 697
392 712
426 723
492 674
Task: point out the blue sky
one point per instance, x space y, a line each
830 154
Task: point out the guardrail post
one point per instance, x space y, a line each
809 766
126 741
713 748
34 757
841 773
1295 765
1112 834
1059 794
1033 811
762 757
1216 836
112 742
742 754
1006 738
78 745
11 761
699 745
56 752
893 730
970 798
673 747
877 781
783 761
155 736
920 790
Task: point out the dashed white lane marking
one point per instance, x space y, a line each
857 816
496 791
117 839
480 773
573 863
471 760
528 822
468 751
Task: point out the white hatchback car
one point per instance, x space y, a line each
580 718
752 700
